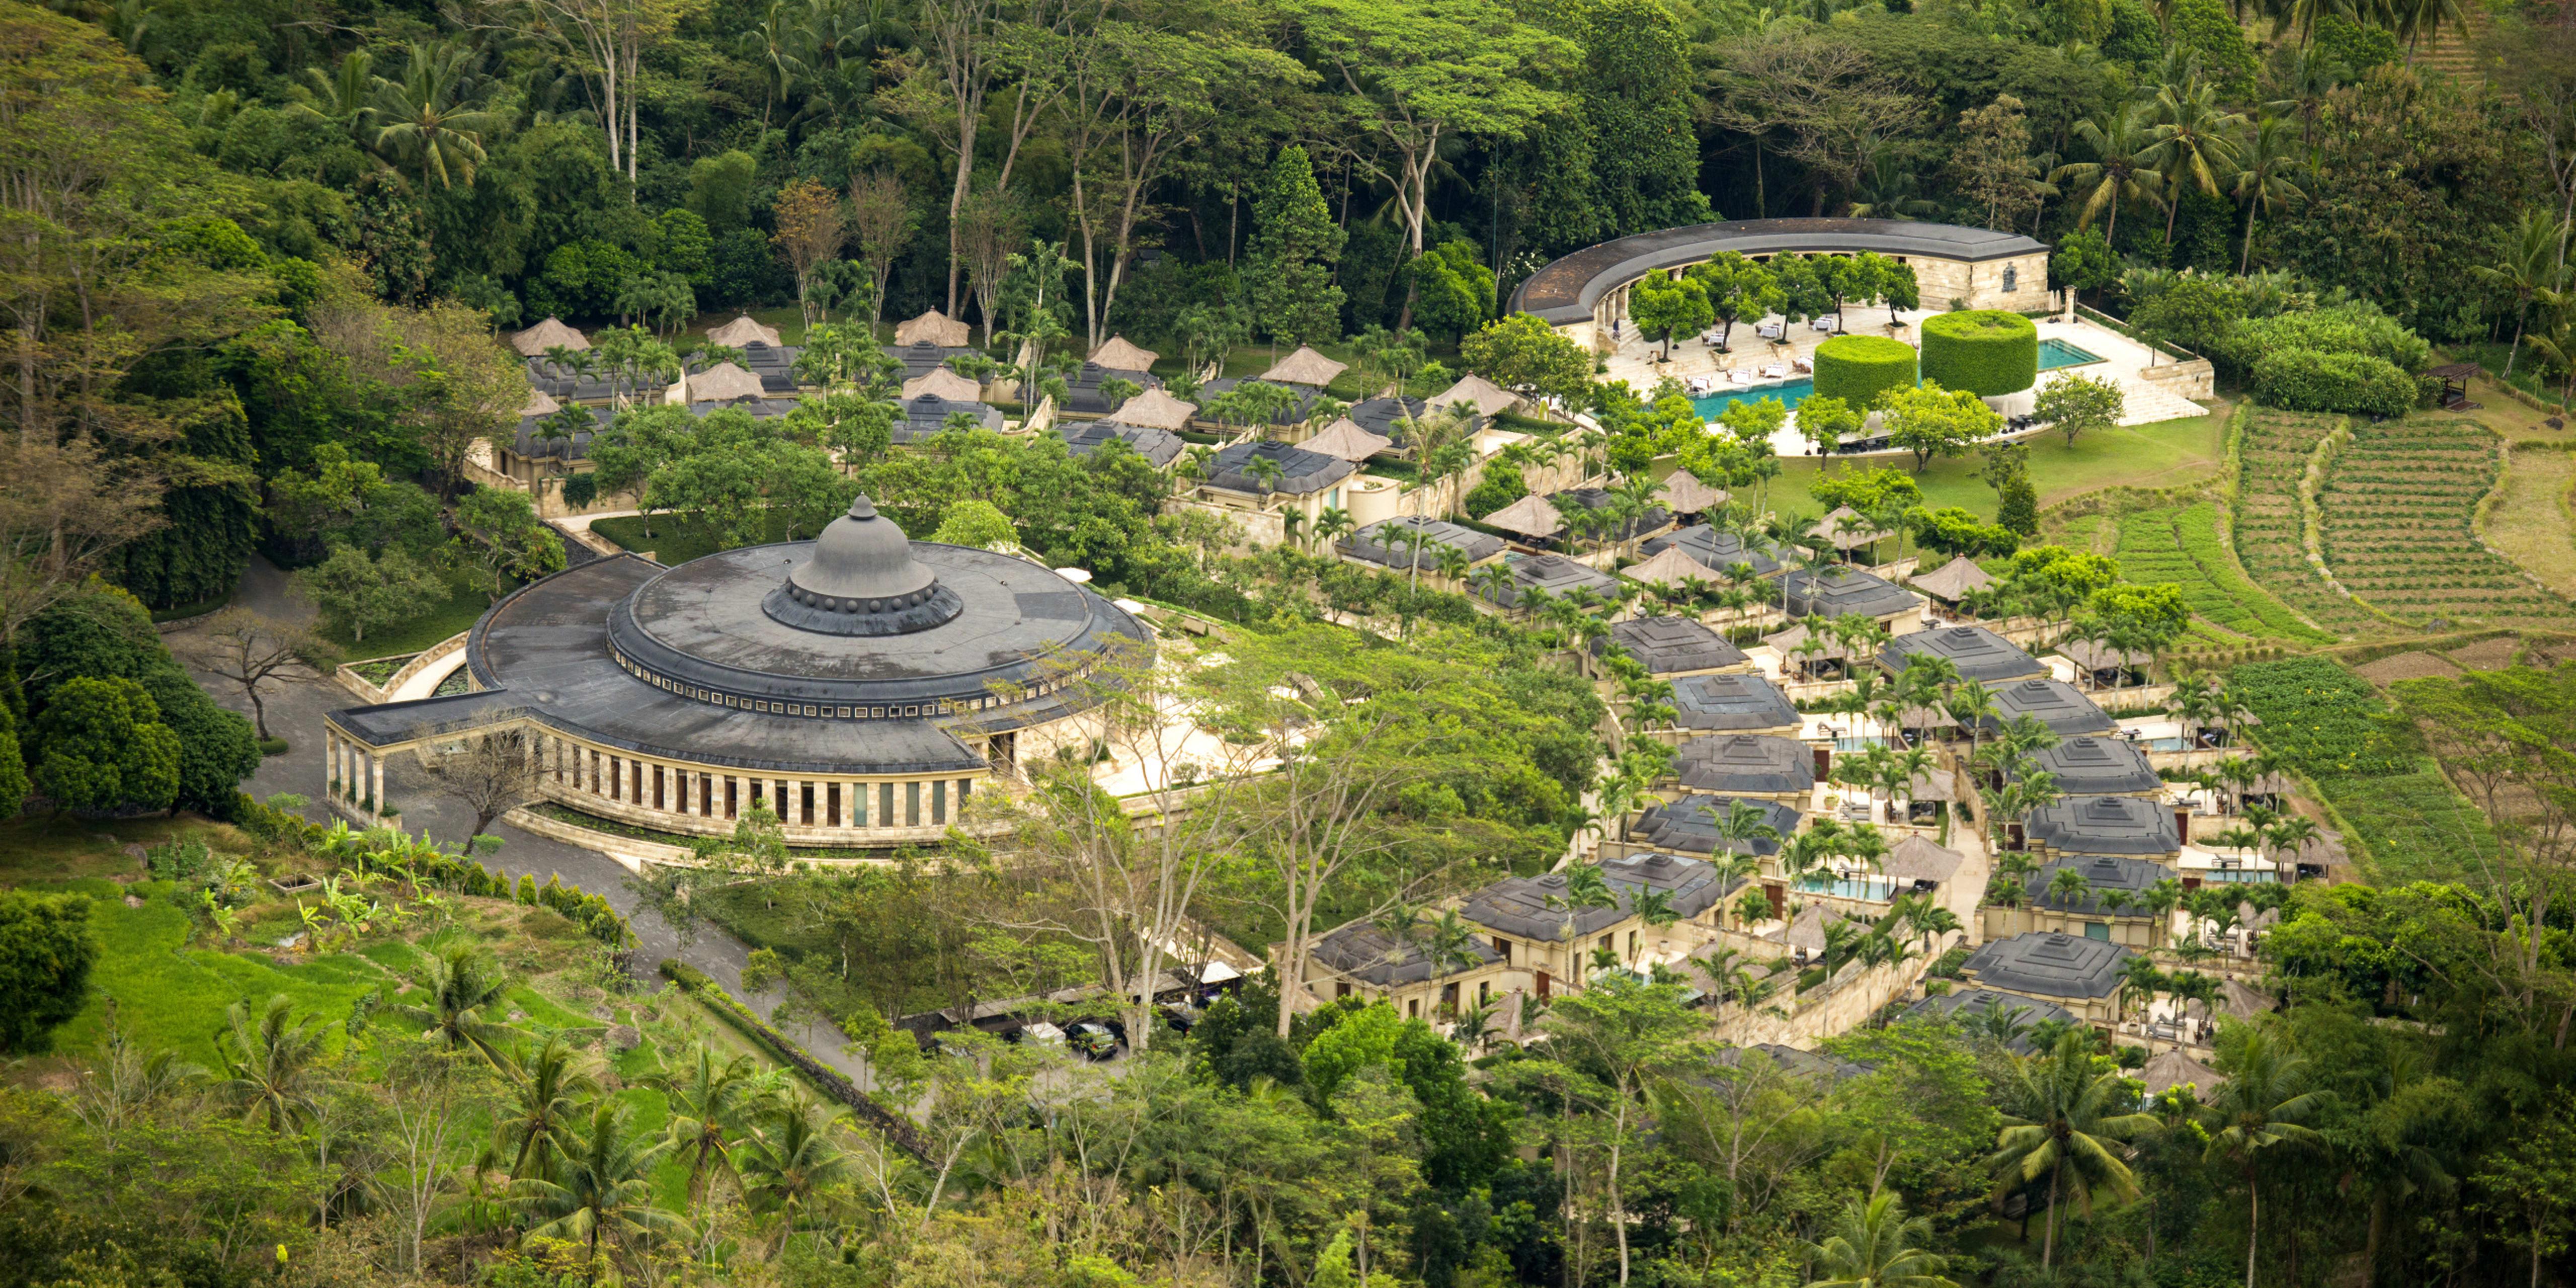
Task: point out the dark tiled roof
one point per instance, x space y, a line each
1963 1006
1364 952
1519 907
1794 1062
1692 884
2104 825
1739 762
2055 703
919 359
1555 574
575 448
1718 550
1690 824
2131 877
1843 592
2048 964
928 415
1300 472
2091 766
1980 654
1290 415
1082 390
1161 446
1669 645
1371 543
1593 498
1566 290
1731 702
1388 417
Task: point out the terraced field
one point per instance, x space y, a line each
2179 545
2272 460
2396 510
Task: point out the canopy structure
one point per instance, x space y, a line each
1670 568
539 404
1683 493
1487 397
1918 859
1120 355
723 382
2170 1069
1953 581
1344 438
549 334
2243 1000
1529 516
742 331
1304 367
945 383
1847 529
1155 409
934 327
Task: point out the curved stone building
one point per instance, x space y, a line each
860 684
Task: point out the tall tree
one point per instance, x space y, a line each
1294 245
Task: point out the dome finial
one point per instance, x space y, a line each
863 508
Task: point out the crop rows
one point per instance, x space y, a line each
2274 456
2397 511
2179 545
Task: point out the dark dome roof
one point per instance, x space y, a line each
862 580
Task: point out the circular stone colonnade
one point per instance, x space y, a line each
860 685
1582 294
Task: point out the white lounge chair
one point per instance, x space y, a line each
1777 371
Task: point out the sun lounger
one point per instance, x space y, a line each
1777 371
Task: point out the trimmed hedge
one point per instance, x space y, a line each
1984 351
2352 383
1858 368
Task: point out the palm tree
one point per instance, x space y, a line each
709 1099
427 120
2120 139
1450 942
271 1065
1743 824
792 1160
602 1180
1872 1245
2533 261
2060 1122
550 1082
459 986
2263 1104
1585 888
2194 141
2266 158
2292 835
2068 887
1331 523
345 97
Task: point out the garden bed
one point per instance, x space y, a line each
2397 513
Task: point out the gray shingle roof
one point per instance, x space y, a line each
1693 885
1669 645
1161 446
1364 952
1593 498
1083 392
1964 1006
1794 1062
2131 877
1718 550
1980 654
1738 762
1689 825
1519 907
928 415
1841 592
1303 406
1301 472
2055 703
2048 964
1388 417
1731 702
2104 825
1371 543
1555 574
2091 766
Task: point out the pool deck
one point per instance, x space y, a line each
1635 362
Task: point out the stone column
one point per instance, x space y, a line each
330 759
377 762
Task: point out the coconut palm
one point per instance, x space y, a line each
1450 942
602 1181
711 1098
791 1161
2068 887
1872 1244
458 989
428 122
2194 140
345 97
2263 1105
2532 261
1265 474
2061 1121
272 1065
551 1081
2267 156
2292 836
1743 824
2121 141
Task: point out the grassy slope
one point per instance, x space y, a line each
2167 455
458 612
2529 521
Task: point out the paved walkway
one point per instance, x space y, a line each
295 711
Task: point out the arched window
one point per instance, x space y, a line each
2012 278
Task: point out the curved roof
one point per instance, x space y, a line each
1567 290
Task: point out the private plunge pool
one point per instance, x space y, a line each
2053 353
1867 889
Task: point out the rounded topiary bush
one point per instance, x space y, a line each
1857 368
1984 351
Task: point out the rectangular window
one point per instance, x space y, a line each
2097 930
939 801
964 785
832 805
885 804
912 804
808 803
657 788
845 713
1503 947
732 796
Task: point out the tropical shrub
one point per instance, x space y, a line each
2352 383
46 949
1987 352
1858 368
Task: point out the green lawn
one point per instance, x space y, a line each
674 540
2155 456
463 606
60 847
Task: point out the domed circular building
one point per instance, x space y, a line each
859 684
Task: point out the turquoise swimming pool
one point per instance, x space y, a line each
2053 353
